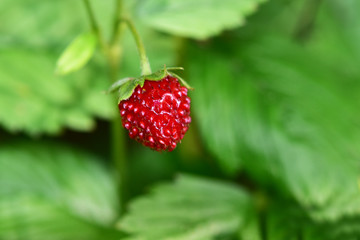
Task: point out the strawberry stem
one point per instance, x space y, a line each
145 65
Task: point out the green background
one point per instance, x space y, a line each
272 152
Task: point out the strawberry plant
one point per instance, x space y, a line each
97 140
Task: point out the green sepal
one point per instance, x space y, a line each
126 86
171 73
126 90
116 85
181 80
156 76
175 68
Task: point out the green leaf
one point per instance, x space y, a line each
217 109
196 19
36 101
77 54
50 191
32 99
284 220
304 128
345 229
282 114
251 229
39 25
337 35
191 208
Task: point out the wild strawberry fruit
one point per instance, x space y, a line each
157 114
155 109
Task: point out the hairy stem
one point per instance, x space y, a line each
145 65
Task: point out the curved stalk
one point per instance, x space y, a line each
145 65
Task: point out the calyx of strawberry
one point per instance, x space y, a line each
126 86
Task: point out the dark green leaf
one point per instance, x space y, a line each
269 106
77 54
251 229
54 192
196 19
337 36
192 208
284 220
345 229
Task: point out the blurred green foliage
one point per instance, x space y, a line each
49 191
198 209
273 150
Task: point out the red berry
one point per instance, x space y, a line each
158 114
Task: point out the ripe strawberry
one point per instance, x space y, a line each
157 114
